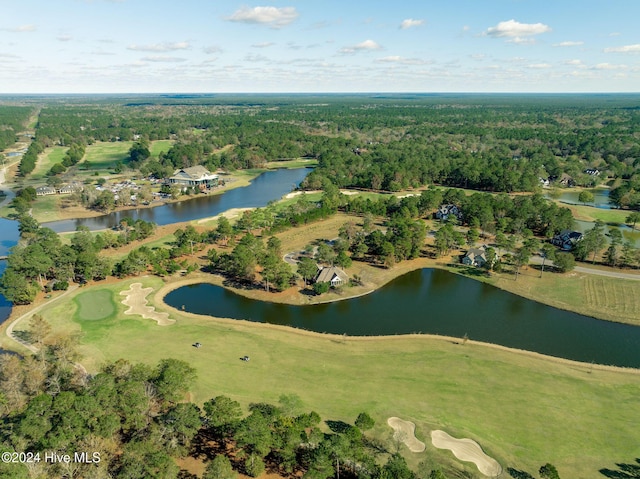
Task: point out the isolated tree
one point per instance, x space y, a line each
585 197
564 262
548 253
633 218
364 422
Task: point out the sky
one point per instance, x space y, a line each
224 46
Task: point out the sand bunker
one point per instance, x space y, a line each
137 302
405 432
467 450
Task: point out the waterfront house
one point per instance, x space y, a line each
332 275
475 257
197 176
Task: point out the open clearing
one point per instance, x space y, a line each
524 409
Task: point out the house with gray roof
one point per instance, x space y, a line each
475 257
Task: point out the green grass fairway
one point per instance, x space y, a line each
159 146
103 155
95 304
524 410
46 160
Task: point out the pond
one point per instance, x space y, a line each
269 186
435 302
600 197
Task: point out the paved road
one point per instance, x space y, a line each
587 270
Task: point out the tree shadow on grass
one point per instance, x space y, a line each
626 471
339 427
518 474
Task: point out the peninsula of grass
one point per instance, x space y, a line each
524 409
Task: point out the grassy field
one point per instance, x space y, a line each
95 304
523 409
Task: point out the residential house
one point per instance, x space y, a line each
475 257
544 182
445 211
332 275
592 171
197 176
566 180
45 190
68 189
566 239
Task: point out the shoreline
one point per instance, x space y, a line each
160 294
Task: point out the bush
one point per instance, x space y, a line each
320 288
60 285
564 262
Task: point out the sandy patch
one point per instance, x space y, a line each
136 299
467 450
405 432
229 214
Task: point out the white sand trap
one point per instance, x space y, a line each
467 450
405 431
136 299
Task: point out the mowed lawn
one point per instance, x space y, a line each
104 155
524 410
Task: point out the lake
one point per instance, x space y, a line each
8 238
435 302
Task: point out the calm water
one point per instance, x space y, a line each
267 187
436 302
600 198
8 238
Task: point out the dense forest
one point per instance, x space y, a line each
484 142
13 120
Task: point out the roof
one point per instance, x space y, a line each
197 172
327 275
474 253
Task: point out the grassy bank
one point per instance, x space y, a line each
523 409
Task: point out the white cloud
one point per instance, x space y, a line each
273 16
64 38
160 47
402 61
410 23
539 66
624 49
163 59
21 29
367 45
568 44
609 66
263 45
212 49
516 31
575 63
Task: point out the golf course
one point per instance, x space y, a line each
523 409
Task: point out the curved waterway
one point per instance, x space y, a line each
269 186
433 301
